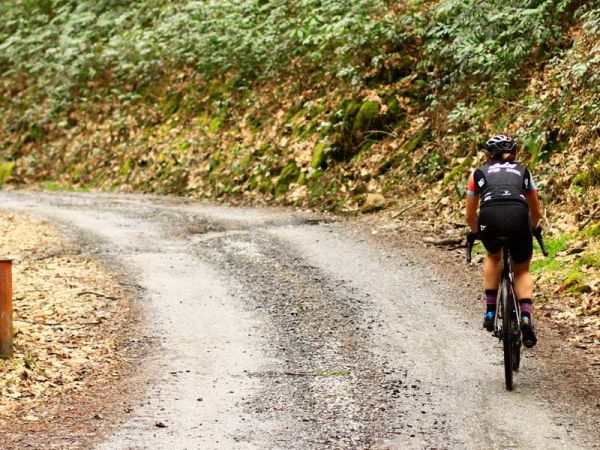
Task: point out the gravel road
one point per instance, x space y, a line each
279 330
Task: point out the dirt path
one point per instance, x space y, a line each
278 330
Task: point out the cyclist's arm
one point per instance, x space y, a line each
535 208
532 199
472 205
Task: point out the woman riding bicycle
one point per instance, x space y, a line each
509 208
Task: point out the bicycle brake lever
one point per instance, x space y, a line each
470 241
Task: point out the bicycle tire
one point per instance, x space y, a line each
516 354
507 334
517 338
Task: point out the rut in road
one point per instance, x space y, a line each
335 391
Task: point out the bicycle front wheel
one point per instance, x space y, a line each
507 332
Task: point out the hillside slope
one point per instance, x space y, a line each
346 106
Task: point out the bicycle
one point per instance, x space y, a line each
507 322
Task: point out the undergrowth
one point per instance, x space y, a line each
311 103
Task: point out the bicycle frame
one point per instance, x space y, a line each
507 274
508 317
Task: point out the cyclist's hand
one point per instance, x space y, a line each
470 241
471 237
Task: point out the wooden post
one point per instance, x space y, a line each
6 350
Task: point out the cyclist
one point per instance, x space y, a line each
509 208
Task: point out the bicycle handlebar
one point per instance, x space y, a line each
472 237
538 235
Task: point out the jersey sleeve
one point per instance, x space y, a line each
528 183
471 186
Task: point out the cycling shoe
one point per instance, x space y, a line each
488 321
529 338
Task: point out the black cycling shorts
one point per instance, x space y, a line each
509 220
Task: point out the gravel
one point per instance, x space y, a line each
281 330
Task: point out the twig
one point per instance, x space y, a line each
403 210
300 374
97 294
443 241
590 218
43 324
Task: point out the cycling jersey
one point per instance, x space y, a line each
501 182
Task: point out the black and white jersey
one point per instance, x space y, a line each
501 182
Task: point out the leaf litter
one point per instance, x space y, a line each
69 316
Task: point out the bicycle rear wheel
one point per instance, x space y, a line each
516 343
507 333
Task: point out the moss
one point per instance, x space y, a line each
203 120
593 230
362 151
6 168
126 169
171 103
301 180
52 186
265 186
215 123
574 282
350 111
394 106
580 180
287 176
413 144
294 113
332 373
589 260
457 170
318 156
366 116
35 133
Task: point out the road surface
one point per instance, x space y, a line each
278 330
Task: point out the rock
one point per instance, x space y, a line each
373 202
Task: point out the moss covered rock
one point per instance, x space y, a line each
366 117
288 175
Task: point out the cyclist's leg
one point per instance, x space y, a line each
523 280
491 270
491 280
521 250
488 222
524 292
488 219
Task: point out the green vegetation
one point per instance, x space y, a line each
6 169
366 71
332 373
54 186
311 103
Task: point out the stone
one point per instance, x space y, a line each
373 202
